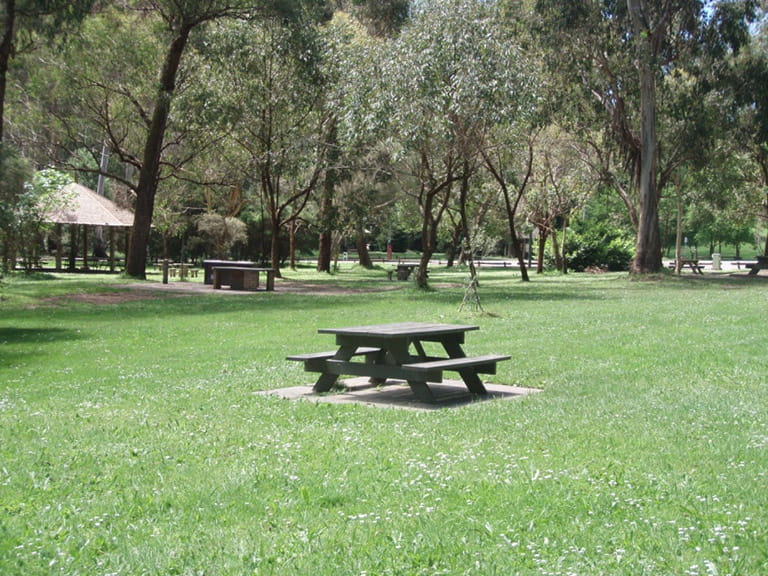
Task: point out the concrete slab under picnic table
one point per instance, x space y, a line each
397 394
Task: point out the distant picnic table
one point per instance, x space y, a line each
693 264
242 278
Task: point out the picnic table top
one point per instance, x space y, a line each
400 329
244 268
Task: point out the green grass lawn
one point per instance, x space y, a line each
132 439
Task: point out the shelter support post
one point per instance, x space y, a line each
72 247
85 247
59 246
111 249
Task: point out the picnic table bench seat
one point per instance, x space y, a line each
316 361
430 369
433 369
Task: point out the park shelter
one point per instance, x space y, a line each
82 208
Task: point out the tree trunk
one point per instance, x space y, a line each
556 250
150 168
454 247
519 252
274 252
765 248
679 233
648 248
467 250
6 49
511 206
542 245
293 227
427 246
563 245
327 212
364 258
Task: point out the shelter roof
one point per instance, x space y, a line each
82 205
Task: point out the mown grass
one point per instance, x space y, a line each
132 440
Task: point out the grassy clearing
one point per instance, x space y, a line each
132 442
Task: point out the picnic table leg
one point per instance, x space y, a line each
326 380
401 355
468 375
379 357
421 391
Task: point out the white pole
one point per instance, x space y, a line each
102 169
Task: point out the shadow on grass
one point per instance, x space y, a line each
18 343
13 335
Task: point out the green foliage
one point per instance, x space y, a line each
454 71
14 173
50 18
600 247
382 18
24 205
39 198
222 233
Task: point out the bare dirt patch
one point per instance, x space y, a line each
99 299
281 286
146 291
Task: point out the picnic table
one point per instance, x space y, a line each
397 351
183 269
691 263
242 278
208 266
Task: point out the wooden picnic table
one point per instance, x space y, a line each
208 266
397 351
691 263
183 269
242 278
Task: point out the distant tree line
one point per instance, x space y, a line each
603 131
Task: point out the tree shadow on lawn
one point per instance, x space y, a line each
20 342
14 335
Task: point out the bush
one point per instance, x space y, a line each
605 249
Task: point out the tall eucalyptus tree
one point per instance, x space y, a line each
359 28
750 85
620 53
180 20
454 73
169 28
269 77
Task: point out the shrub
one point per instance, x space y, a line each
600 248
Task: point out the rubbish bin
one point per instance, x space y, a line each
716 261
